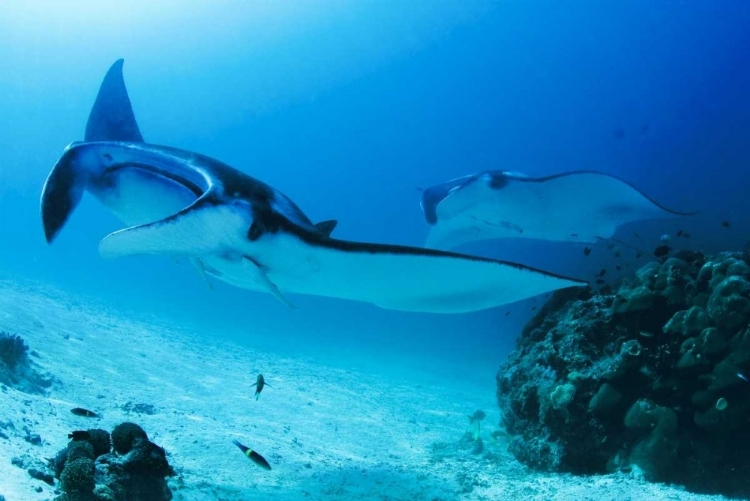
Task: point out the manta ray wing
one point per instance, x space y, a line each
112 118
393 277
402 278
580 206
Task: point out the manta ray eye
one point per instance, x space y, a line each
497 181
107 158
255 232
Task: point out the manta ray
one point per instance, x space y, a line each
576 206
242 231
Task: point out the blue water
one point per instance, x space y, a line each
350 107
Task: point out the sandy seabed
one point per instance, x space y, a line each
331 431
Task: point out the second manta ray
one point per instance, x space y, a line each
577 206
242 231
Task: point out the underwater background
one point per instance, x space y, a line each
350 108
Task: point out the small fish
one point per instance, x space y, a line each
617 253
618 267
665 238
638 256
743 377
79 435
725 224
586 251
662 250
602 272
80 411
254 456
507 313
260 383
679 233
477 416
685 234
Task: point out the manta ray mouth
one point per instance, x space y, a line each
197 190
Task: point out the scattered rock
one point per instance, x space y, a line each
147 409
41 475
33 439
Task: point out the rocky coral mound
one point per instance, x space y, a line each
135 470
18 370
651 378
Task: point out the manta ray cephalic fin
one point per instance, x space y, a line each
201 269
261 278
182 234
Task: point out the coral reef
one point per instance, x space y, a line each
13 350
125 435
17 370
650 378
135 470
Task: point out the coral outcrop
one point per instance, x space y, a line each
651 378
13 350
134 470
17 369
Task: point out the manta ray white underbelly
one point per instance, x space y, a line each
182 204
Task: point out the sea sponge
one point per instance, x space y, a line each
729 305
58 462
125 435
100 441
605 399
79 449
148 458
635 300
78 476
562 395
654 454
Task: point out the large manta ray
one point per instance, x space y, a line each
234 227
577 206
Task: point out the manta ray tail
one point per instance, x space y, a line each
110 119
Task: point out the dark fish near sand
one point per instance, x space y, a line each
80 411
477 416
79 435
254 456
259 384
662 251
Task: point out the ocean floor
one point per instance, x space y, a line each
331 430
